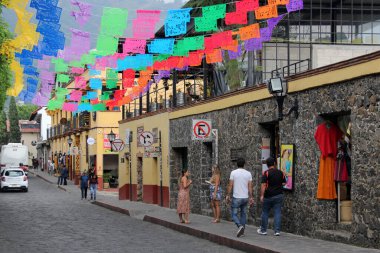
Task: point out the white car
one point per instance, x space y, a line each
13 178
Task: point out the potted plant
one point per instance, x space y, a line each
106 178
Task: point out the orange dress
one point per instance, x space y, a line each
183 204
326 183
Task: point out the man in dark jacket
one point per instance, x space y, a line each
271 196
64 175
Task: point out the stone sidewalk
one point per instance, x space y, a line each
223 233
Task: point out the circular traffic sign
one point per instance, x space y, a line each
202 129
146 139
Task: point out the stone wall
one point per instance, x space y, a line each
242 128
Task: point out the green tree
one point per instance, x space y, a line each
24 111
3 128
5 72
14 133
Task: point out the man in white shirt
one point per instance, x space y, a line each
241 184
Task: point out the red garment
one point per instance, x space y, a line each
327 136
340 173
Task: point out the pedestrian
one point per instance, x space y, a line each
35 163
64 175
51 168
241 187
271 196
84 184
215 193
183 204
93 185
59 172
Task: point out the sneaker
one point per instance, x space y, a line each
240 231
261 232
277 233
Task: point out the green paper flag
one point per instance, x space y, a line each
99 107
62 78
60 65
106 45
114 21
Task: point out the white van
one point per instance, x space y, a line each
13 154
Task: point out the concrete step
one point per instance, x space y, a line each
333 235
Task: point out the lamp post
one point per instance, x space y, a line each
279 89
111 137
69 141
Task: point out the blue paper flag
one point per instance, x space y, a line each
161 46
30 70
176 22
43 4
96 83
94 72
52 14
84 107
46 28
91 95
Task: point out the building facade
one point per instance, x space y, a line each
345 94
80 142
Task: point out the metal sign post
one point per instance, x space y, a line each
215 134
161 189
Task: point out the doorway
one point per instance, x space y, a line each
139 187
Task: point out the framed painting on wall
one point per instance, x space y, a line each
287 165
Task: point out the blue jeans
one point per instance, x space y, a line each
274 202
235 205
93 190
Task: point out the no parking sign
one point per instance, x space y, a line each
201 129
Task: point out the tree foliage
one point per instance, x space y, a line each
3 128
5 72
14 133
24 111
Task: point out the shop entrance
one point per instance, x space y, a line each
110 171
341 163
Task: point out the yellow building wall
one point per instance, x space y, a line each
150 166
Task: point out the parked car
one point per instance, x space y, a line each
13 178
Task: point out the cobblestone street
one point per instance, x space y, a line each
47 219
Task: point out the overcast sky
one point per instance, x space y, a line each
93 25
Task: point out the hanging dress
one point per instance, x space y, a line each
327 136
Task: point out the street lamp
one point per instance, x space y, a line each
279 89
111 137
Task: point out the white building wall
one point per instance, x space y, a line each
45 122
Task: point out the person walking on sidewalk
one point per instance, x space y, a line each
84 184
93 185
241 186
271 196
64 175
183 204
215 193
59 172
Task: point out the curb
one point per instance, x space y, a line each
112 208
50 182
225 241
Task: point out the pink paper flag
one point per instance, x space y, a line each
80 82
43 64
76 70
71 107
76 95
135 46
144 26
